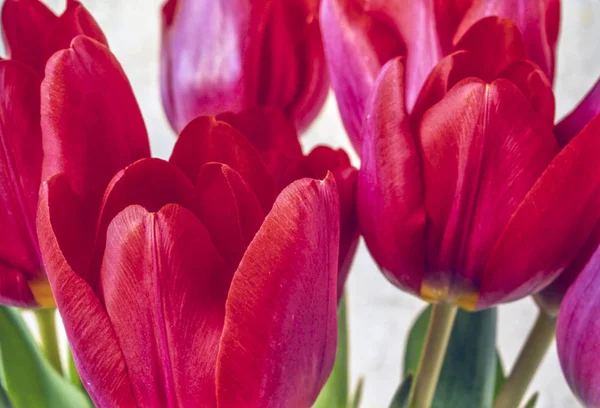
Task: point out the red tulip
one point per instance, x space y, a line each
32 34
182 283
578 334
470 199
361 36
230 55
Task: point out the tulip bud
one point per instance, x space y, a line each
227 55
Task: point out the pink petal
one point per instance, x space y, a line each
390 203
357 42
91 337
165 287
207 140
551 225
14 288
91 124
20 167
279 340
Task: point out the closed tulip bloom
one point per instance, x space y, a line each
32 34
472 199
578 334
230 55
182 283
361 36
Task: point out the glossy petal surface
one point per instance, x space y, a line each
91 124
20 167
164 271
279 339
390 203
476 163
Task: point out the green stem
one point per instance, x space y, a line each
432 356
46 322
540 338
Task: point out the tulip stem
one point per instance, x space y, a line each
46 322
540 338
432 356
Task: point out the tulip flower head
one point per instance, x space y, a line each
361 36
192 282
32 34
470 199
231 55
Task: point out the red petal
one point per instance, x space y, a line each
496 41
323 159
25 25
165 287
530 16
229 210
91 124
14 289
207 140
20 167
390 204
357 42
551 224
587 109
96 350
274 137
483 149
279 340
76 20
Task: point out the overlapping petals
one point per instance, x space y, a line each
222 56
470 199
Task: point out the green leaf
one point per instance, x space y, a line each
400 399
30 380
532 401
4 400
335 392
500 377
468 374
357 397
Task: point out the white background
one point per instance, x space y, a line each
380 313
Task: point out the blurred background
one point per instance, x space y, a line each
380 315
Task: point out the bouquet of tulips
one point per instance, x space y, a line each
216 278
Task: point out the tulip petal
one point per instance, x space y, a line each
91 124
207 140
76 20
357 43
95 348
572 124
273 135
531 18
551 225
25 25
577 334
229 210
165 287
14 289
483 149
508 46
279 340
20 167
390 203
323 159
